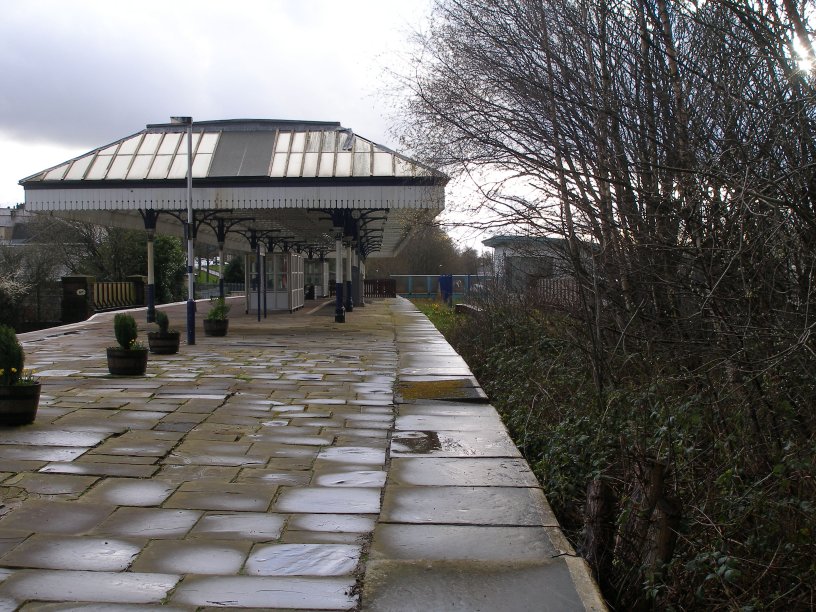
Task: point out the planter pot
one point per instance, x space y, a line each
123 362
163 344
216 327
18 404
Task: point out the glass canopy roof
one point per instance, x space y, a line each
221 149
292 182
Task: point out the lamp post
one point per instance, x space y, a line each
188 121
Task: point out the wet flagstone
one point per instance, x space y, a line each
57 517
289 478
201 556
465 505
51 484
94 607
267 592
218 495
453 444
51 437
252 526
355 455
462 471
88 586
40 453
503 586
73 553
96 468
129 492
302 560
176 474
248 472
348 500
149 523
350 478
351 523
461 542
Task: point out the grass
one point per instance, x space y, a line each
440 314
206 279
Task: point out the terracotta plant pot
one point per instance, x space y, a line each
127 362
163 344
18 404
216 327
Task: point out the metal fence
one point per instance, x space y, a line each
427 285
211 290
561 292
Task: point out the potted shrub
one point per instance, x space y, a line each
166 340
19 390
216 322
130 357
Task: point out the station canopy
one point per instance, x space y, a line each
291 184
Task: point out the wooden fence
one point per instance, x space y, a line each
380 287
107 296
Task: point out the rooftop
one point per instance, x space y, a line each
276 179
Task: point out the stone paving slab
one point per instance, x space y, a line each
464 524
448 585
274 469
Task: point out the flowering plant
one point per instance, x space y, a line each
12 359
125 330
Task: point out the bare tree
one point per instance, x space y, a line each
676 139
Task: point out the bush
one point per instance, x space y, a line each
707 478
219 309
162 321
124 327
12 357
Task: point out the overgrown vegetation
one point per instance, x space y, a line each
57 247
669 146
669 487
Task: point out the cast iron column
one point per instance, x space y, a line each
339 310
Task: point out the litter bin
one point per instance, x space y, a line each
309 292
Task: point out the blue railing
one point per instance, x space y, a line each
427 285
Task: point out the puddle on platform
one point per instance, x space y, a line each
421 442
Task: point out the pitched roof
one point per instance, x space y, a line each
298 179
237 148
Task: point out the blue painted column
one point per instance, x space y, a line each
339 309
150 290
221 236
349 295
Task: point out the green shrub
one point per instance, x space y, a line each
162 321
219 309
12 357
737 456
124 327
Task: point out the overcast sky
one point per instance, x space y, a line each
80 74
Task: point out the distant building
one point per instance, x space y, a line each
520 263
537 267
13 223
